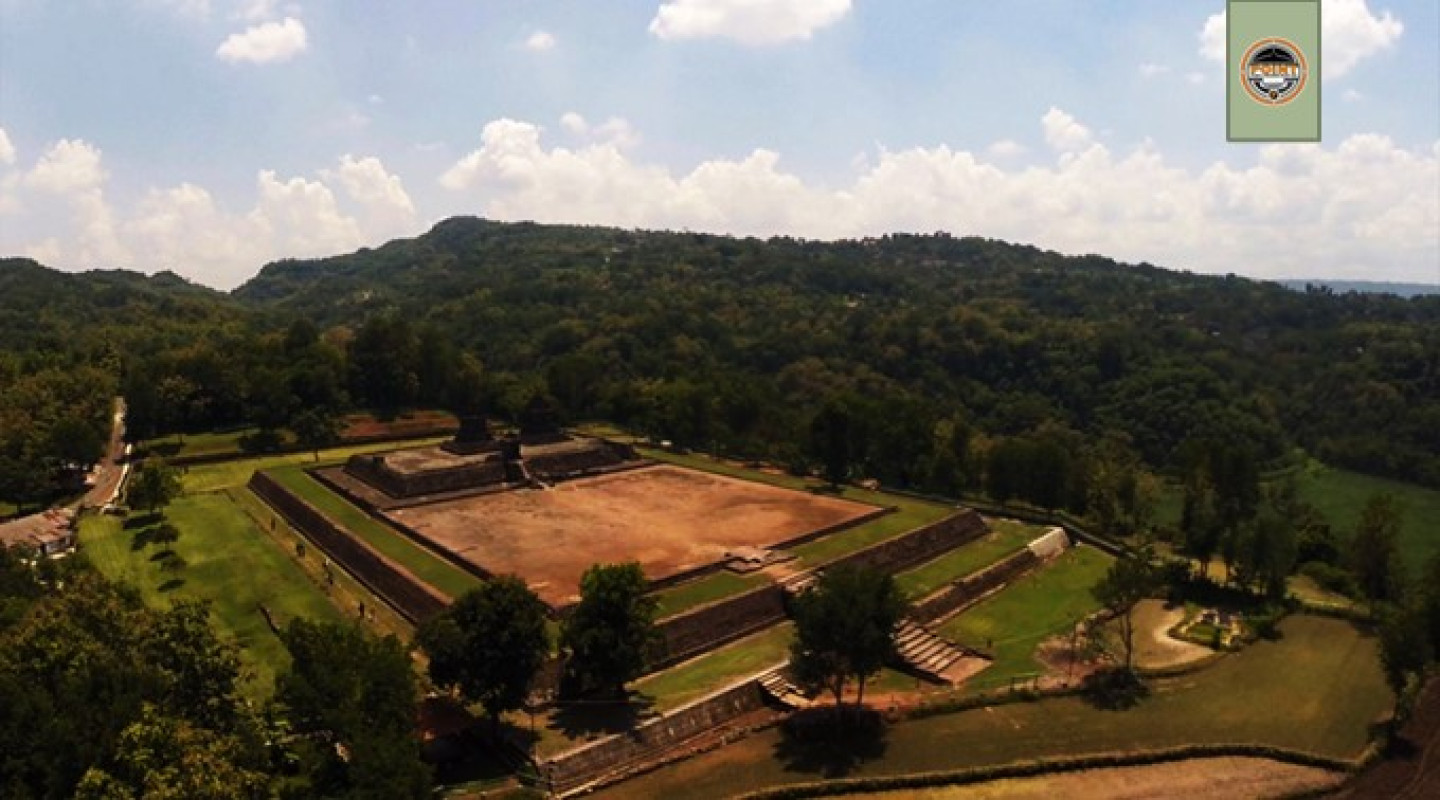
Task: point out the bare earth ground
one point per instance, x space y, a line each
667 518
1155 648
1207 778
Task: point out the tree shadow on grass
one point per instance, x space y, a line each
163 555
589 719
136 521
140 540
171 585
1114 689
832 742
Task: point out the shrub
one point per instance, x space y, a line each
1330 578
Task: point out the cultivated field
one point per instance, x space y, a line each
667 518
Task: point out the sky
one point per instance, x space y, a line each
210 137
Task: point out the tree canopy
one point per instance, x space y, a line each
845 629
608 634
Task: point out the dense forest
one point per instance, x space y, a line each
927 361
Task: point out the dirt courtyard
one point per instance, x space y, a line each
667 518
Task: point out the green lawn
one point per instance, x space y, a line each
694 679
427 566
1340 495
197 444
1317 689
228 474
229 563
1005 537
1035 607
696 593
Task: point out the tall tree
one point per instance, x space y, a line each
610 630
1375 550
845 629
489 644
152 486
316 428
1130 579
348 687
830 441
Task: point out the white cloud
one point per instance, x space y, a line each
574 123
614 130
1006 148
1364 208
1063 132
540 41
1151 70
69 165
258 10
266 43
7 149
378 192
753 22
1350 30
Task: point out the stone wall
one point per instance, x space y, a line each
602 456
373 470
709 626
574 769
919 545
413 598
956 596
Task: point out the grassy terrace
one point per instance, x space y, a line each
1035 607
674 687
1316 689
708 589
427 566
227 474
230 563
1005 537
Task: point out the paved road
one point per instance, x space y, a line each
109 472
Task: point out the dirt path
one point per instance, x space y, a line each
1155 648
1207 778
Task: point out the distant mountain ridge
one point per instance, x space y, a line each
1362 287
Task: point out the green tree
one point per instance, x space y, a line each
152 486
489 644
610 630
164 758
1375 550
1130 579
315 428
348 687
1404 645
830 441
845 629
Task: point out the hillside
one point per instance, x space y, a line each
1007 336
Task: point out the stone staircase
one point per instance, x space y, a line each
924 651
779 687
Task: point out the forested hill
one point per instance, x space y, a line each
1010 338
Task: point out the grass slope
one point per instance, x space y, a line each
698 677
696 593
427 566
1005 537
229 563
1317 689
1037 606
229 474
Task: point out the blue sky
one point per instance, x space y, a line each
212 136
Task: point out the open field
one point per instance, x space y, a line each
1317 689
909 513
1195 778
229 563
427 566
1044 603
1005 537
668 519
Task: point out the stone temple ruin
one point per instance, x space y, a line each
477 461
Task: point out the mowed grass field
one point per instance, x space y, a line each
1044 603
228 563
1341 495
1317 689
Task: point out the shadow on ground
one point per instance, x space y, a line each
832 742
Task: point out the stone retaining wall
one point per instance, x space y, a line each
709 626
956 596
574 769
919 545
411 597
